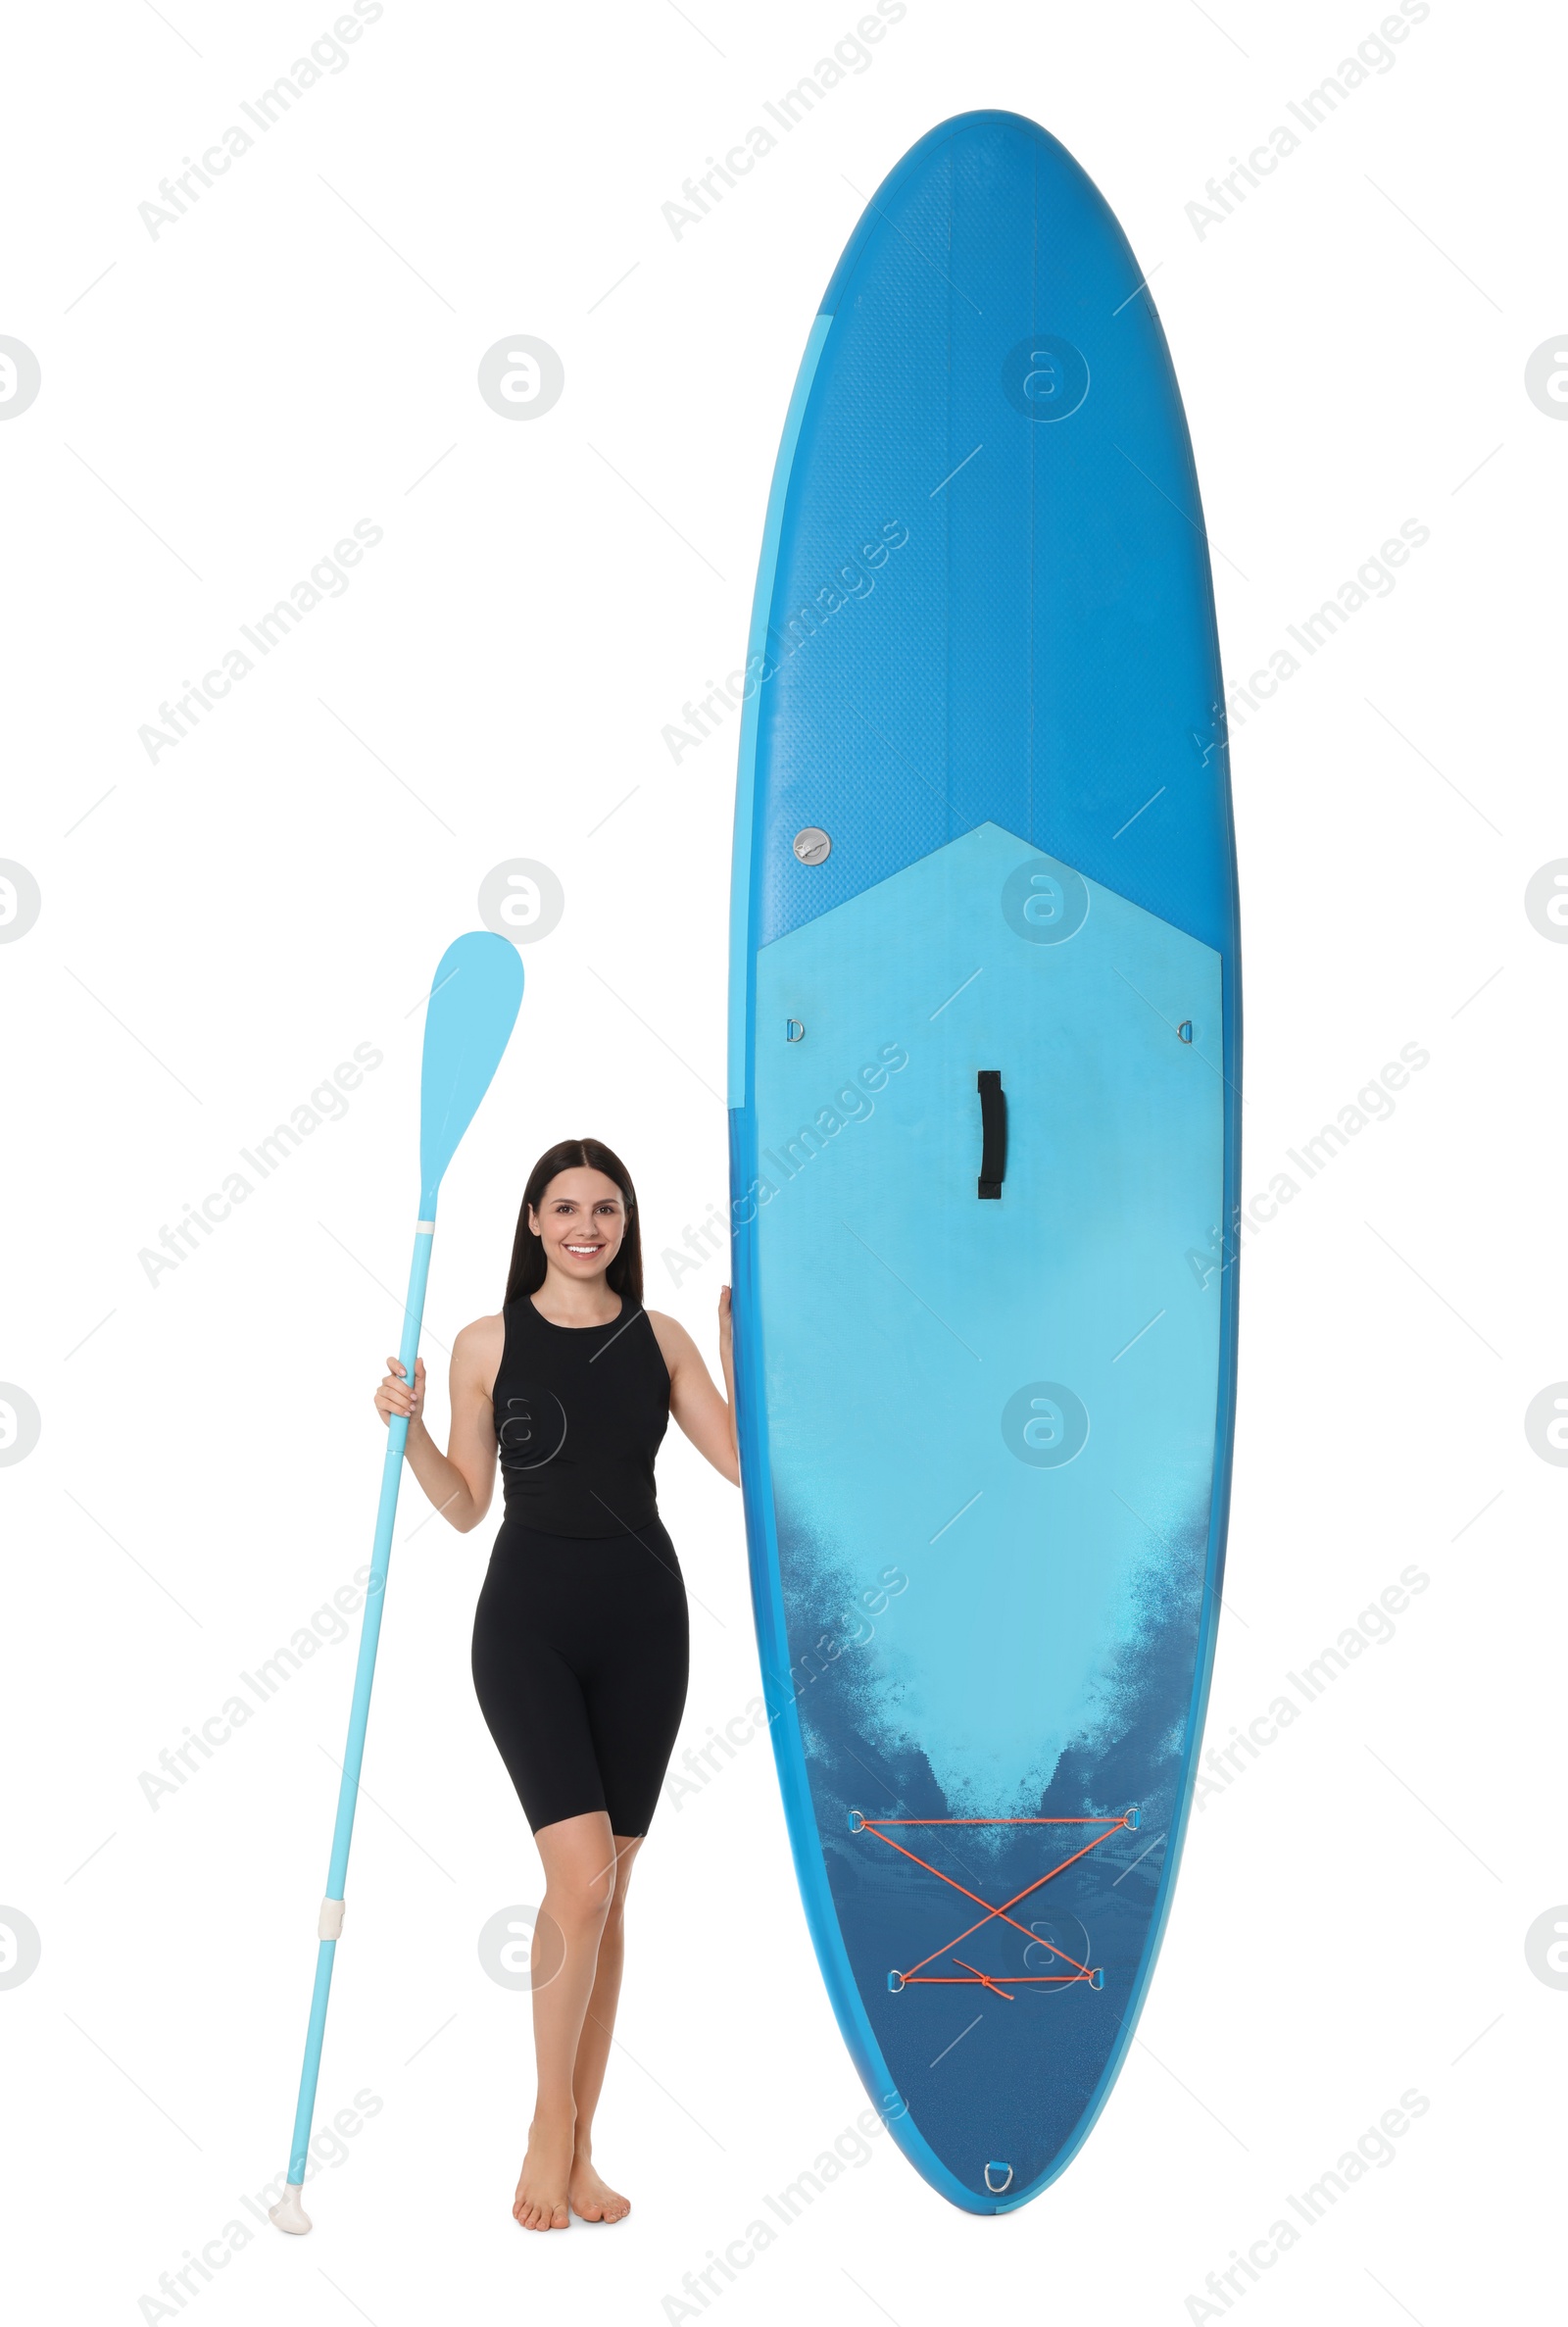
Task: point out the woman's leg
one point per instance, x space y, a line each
580 1885
634 1694
592 2197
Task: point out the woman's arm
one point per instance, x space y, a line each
459 1482
708 1419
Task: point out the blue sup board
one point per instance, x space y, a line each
985 1037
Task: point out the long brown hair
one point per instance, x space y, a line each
624 1275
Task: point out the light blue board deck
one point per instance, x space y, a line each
985 1442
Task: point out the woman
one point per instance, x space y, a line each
579 1637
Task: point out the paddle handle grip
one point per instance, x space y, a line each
396 1438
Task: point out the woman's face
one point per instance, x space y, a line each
580 1220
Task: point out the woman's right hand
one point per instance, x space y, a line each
394 1398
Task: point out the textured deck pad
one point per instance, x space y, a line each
986 1441
992 1427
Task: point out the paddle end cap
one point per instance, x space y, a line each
288 2214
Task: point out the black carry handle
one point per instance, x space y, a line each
992 1131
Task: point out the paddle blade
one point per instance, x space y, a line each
472 1011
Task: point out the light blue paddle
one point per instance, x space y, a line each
472 1009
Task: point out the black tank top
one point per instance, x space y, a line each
580 1411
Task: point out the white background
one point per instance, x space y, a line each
219 929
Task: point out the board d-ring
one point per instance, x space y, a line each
993 2168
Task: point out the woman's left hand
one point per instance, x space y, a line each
726 1324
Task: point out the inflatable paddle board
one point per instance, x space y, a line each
985 1044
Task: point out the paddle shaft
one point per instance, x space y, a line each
360 1712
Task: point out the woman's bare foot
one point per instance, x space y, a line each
591 2197
541 2200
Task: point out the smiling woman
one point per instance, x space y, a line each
580 1635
